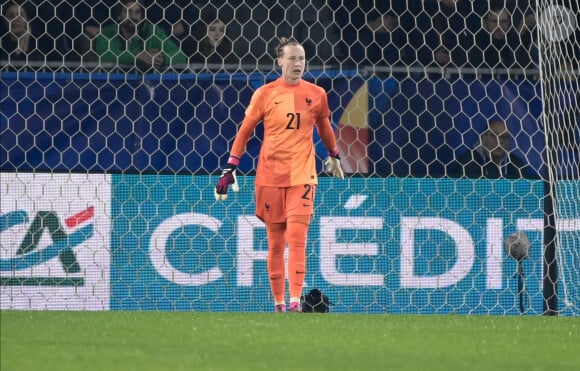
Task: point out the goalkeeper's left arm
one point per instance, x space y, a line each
332 164
228 176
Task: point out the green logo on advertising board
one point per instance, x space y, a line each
31 252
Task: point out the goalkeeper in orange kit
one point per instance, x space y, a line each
286 178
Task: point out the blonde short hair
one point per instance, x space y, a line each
283 42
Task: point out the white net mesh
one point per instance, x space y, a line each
560 43
116 116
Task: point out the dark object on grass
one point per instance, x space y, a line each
315 302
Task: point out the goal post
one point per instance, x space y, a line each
107 175
559 42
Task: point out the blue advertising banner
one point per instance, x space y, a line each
185 123
154 123
420 126
379 246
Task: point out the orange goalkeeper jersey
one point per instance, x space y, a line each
289 114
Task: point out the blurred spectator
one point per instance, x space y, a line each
22 45
215 47
313 22
178 22
456 22
424 41
177 17
527 53
200 29
84 24
261 23
18 43
492 157
497 41
205 40
378 42
134 43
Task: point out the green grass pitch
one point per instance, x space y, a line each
82 341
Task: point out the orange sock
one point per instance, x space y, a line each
296 233
276 264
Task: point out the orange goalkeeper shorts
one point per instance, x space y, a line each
275 204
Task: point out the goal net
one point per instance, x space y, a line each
457 123
559 39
